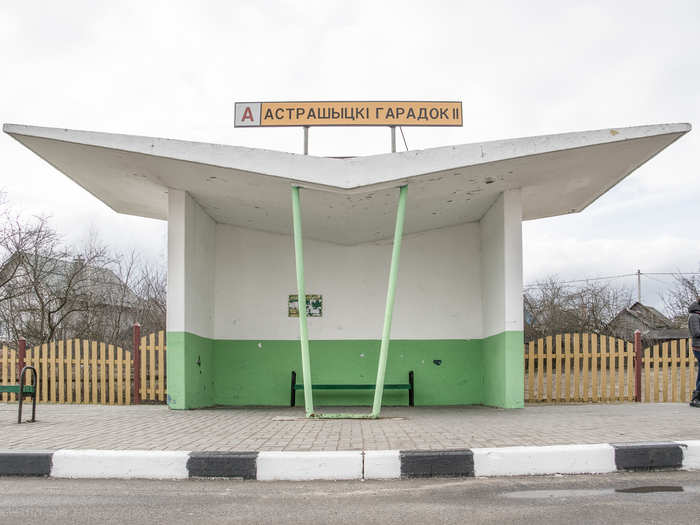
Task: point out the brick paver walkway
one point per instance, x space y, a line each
158 428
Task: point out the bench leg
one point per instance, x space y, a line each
411 390
293 398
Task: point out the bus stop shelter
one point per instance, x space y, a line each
232 330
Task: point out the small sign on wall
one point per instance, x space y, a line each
314 305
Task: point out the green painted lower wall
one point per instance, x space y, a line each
190 369
258 372
504 370
205 372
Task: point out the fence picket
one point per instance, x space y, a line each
530 371
594 366
52 371
674 371
110 367
586 367
577 373
120 376
14 358
152 367
567 366
161 366
5 358
43 360
604 367
684 370
540 369
612 353
144 378
664 369
129 368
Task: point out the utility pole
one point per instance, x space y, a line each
639 286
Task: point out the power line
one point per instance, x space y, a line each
606 277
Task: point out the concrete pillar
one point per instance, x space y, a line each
191 255
502 302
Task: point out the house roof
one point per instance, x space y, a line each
647 316
349 200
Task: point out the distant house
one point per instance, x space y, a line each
653 325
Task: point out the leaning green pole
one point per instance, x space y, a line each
389 309
303 330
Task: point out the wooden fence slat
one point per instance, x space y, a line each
69 371
13 371
630 372
43 359
610 369
674 371
103 374
530 371
93 366
161 366
144 375
152 367
586 367
85 372
647 355
61 375
110 369
558 368
684 371
604 368
51 358
577 366
548 366
129 368
120 376
664 368
594 367
567 366
620 396
5 370
540 369
657 374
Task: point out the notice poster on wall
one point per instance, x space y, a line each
314 305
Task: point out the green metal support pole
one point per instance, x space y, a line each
389 310
301 291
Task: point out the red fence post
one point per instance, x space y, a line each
637 366
137 363
21 355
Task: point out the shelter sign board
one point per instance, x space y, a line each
377 113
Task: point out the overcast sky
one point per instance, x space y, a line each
173 69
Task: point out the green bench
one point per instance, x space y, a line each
389 386
23 391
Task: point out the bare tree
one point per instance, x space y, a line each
685 290
552 307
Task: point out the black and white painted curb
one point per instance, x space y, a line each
353 464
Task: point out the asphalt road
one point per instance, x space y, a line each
547 499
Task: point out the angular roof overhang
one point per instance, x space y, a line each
349 200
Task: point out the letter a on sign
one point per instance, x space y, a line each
247 114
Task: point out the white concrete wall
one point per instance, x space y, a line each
502 263
191 257
438 292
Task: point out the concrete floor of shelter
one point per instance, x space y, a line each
149 427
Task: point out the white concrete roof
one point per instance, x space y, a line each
349 200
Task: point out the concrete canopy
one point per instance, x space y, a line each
350 200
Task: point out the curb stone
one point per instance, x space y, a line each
353 464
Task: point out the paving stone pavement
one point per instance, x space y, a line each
149 427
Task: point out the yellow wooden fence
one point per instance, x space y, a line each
90 372
599 368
